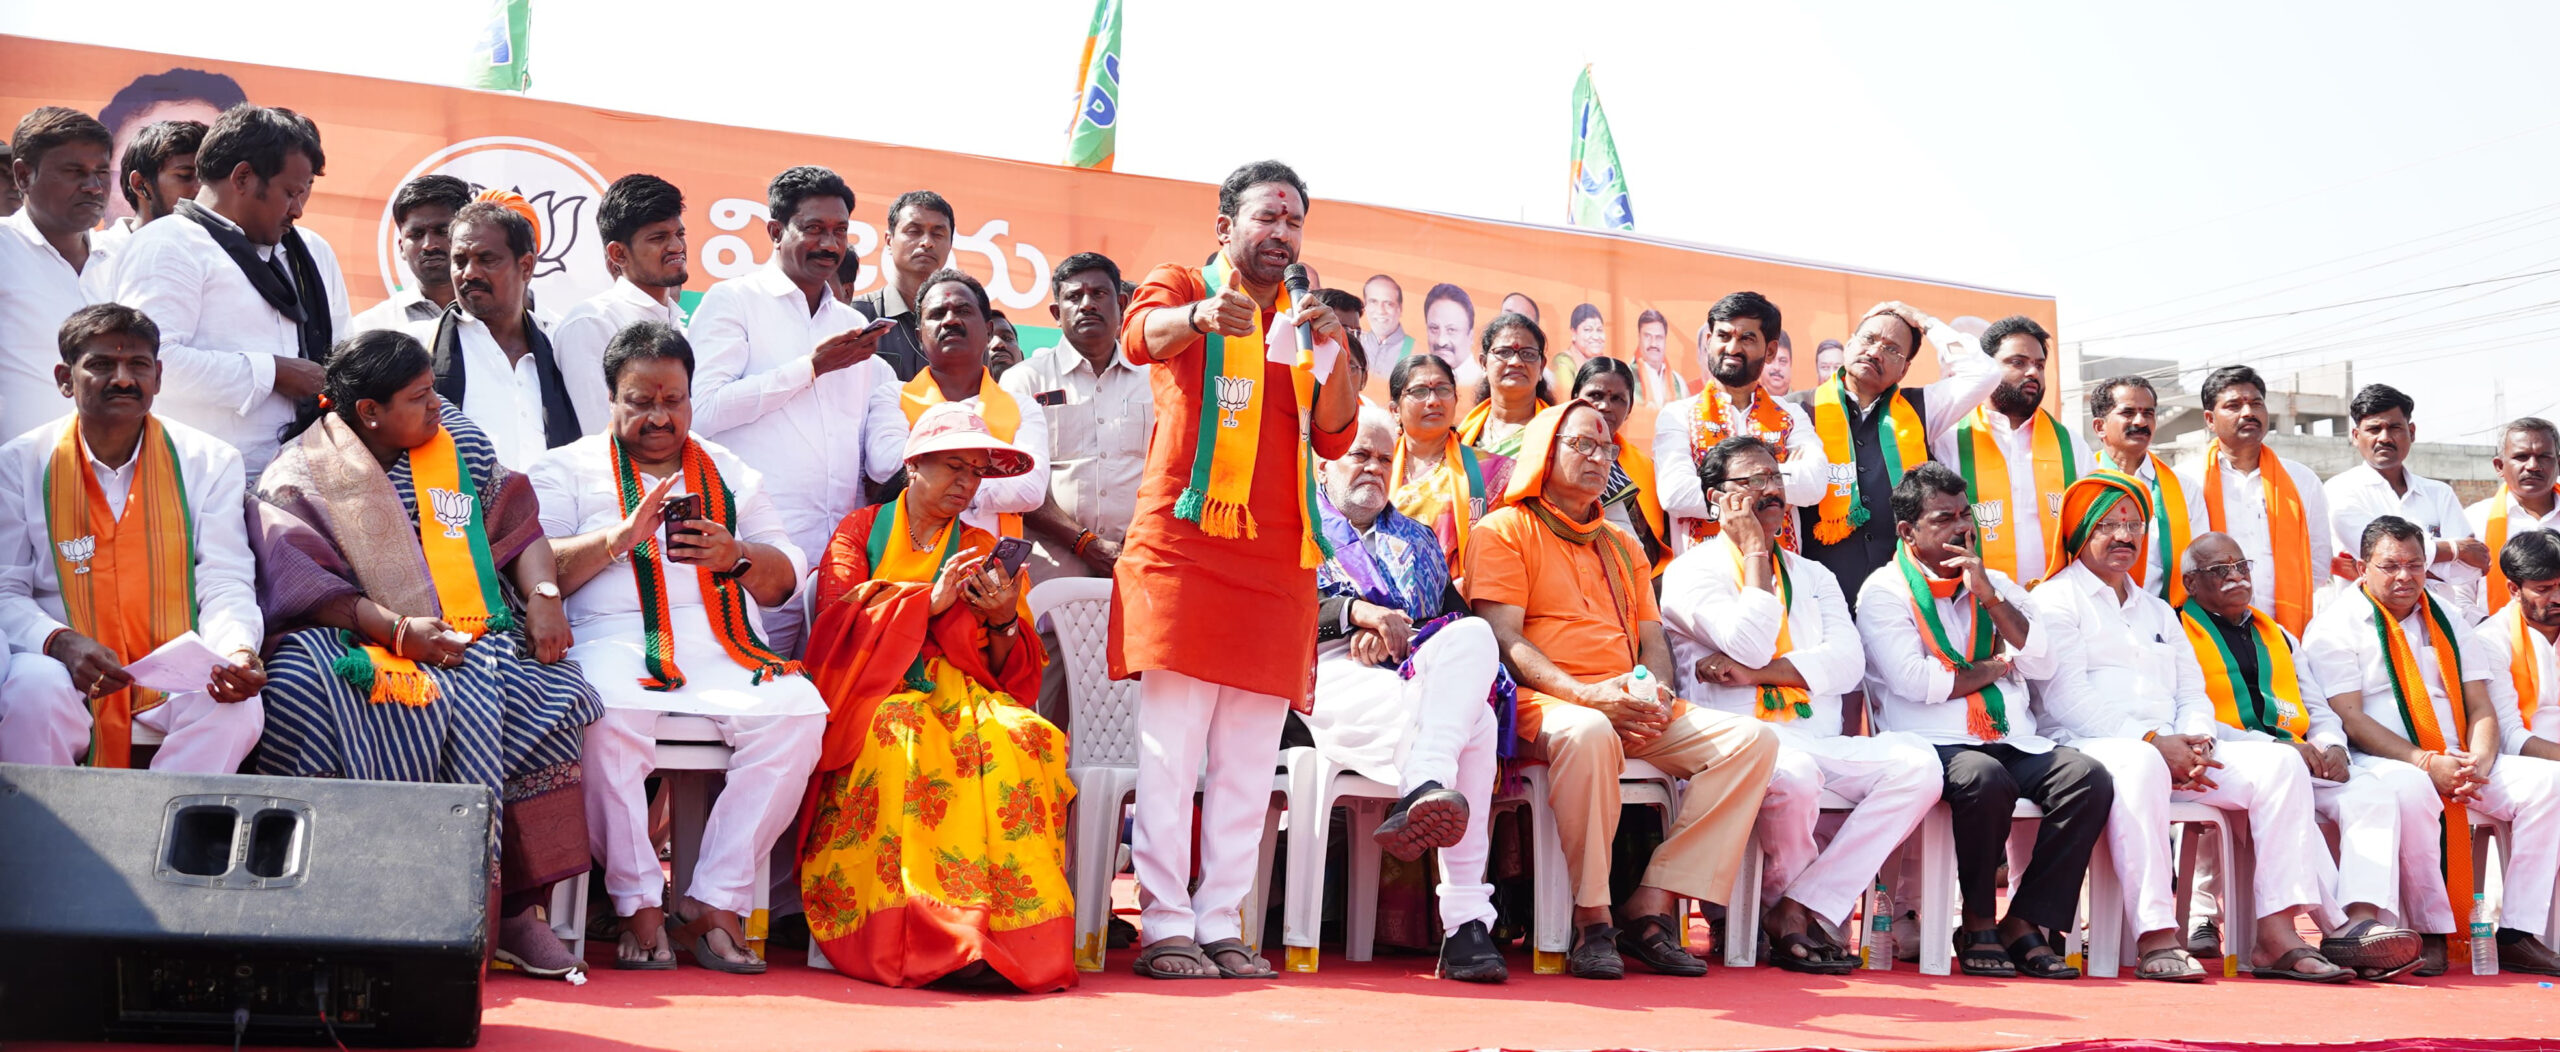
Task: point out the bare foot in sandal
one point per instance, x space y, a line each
642 944
1174 957
1797 942
720 934
1235 960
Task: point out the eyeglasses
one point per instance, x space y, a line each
1763 480
1592 449
1881 346
2230 571
2135 528
1515 354
1431 391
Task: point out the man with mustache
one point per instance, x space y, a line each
1382 307
47 268
1779 377
493 360
2528 454
248 303
1657 382
2127 689
2123 410
921 226
1214 595
1873 429
642 220
1761 632
1950 649
2411 687
786 370
954 314
1734 352
2016 458
422 212
2380 424
2262 691
2272 506
1449 330
141 518
1004 345
159 170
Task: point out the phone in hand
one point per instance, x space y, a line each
875 325
675 512
1012 551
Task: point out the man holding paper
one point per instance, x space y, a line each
121 532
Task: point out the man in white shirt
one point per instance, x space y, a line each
952 308
1759 631
2380 426
159 170
1100 410
2517 639
2528 455
649 641
642 220
11 198
921 226
2272 506
1850 529
1736 352
1951 666
143 517
2016 458
422 213
2127 689
2412 688
60 159
492 357
786 370
2123 410
248 304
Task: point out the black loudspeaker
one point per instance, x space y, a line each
139 905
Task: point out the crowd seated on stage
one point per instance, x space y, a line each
452 539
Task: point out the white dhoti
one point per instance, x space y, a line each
1183 721
2524 792
2389 853
45 720
774 730
1435 727
2265 780
1892 778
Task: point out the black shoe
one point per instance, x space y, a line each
1469 955
1653 943
1428 817
1119 934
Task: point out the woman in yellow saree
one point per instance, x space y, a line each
934 847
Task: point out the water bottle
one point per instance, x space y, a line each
1641 683
2484 937
1879 946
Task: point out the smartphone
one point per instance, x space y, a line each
1011 551
876 325
675 512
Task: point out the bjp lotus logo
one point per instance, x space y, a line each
453 511
1843 478
1989 516
78 551
1234 394
564 191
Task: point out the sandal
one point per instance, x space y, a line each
1595 954
1149 954
1649 940
654 956
1798 951
1979 953
2049 964
2375 950
1224 947
2184 970
694 937
2289 967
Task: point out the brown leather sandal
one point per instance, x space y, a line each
694 937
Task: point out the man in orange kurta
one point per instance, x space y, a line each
1220 629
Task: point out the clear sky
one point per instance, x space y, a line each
2164 166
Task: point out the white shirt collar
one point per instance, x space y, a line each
640 297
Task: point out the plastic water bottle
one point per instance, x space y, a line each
1879 946
1641 683
2484 937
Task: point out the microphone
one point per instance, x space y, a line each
1295 278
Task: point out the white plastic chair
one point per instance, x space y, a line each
2111 935
1102 761
1317 785
1641 784
692 766
1742 909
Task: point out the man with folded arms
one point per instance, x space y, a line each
1949 652
1567 595
2263 690
120 532
1761 632
2412 688
2127 689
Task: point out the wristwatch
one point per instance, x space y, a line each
546 590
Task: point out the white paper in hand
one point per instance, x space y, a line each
1280 345
182 665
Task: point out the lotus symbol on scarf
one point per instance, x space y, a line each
78 550
1989 516
453 511
1843 478
1234 394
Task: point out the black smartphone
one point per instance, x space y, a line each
675 512
1012 551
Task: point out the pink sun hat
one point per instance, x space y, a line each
951 426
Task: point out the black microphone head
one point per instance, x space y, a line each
1296 279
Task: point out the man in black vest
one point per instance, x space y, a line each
491 359
920 231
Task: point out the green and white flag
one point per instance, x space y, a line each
497 59
1596 190
1092 139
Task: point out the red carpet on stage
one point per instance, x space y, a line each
1392 1003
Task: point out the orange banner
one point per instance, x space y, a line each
1016 219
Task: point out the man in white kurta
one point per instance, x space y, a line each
1742 329
774 727
1433 735
2518 638
642 221
2127 689
2123 413
2383 484
2528 457
2231 481
2451 736
51 263
45 713
786 370
952 319
1726 613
